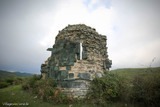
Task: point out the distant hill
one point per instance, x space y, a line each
130 73
136 70
7 74
22 74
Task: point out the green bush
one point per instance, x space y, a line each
46 90
106 89
18 81
3 84
10 81
30 83
14 81
146 90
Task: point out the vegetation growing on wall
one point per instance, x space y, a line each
137 87
106 89
46 90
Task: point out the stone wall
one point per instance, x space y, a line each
71 61
76 88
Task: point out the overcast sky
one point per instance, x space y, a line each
29 27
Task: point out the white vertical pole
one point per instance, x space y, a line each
81 50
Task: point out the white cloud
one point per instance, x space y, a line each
137 34
75 12
132 29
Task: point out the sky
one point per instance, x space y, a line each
29 27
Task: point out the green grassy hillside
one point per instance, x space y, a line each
15 96
130 73
6 74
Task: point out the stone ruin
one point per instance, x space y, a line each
77 57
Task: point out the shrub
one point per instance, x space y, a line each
106 89
30 82
146 90
14 81
46 90
10 81
3 84
18 81
142 89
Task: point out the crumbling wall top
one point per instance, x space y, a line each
78 27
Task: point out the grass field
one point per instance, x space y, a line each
14 96
130 73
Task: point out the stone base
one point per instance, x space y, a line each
75 88
75 92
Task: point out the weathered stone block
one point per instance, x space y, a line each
55 68
71 75
64 74
86 76
68 68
